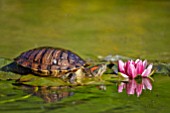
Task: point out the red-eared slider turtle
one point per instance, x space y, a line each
57 62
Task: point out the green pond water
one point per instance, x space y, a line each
92 29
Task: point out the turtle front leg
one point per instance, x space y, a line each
80 75
72 78
77 77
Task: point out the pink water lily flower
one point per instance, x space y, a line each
131 69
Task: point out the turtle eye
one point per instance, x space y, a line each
54 61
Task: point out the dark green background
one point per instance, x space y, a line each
88 27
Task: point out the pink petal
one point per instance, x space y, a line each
131 86
131 71
137 60
120 87
121 66
123 75
139 67
127 64
125 67
139 89
144 63
147 83
132 62
147 71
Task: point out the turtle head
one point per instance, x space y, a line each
97 70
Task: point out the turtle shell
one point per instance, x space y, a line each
49 61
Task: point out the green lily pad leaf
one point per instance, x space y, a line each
41 81
9 76
33 80
106 79
162 68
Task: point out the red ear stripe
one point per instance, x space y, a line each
93 68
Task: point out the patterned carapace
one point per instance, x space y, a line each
48 61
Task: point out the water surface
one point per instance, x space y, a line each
136 29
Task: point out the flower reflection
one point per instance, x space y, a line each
133 87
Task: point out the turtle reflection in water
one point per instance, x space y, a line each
48 94
57 62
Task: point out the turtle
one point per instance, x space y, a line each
58 62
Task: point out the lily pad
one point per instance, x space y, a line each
162 68
41 81
9 76
33 80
